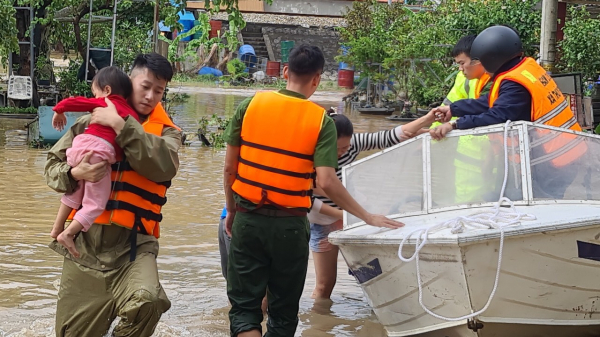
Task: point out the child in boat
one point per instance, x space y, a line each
114 84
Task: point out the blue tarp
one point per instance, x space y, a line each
210 71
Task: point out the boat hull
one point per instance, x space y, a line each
376 111
545 284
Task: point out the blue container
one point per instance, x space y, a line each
248 56
186 19
246 49
45 130
210 71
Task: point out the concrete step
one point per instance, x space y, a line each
254 42
245 33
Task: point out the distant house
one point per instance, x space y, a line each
332 8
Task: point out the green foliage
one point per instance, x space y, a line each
236 23
414 47
15 110
460 18
580 51
236 68
70 85
8 27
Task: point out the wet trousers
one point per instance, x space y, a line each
89 300
267 253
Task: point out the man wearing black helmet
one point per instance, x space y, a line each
499 50
521 90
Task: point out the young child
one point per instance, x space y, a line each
114 84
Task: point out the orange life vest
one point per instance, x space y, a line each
279 136
135 201
548 106
481 83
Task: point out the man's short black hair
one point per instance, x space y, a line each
156 63
306 60
463 46
116 79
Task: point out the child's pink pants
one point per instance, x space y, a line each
91 196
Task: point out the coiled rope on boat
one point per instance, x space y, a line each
497 217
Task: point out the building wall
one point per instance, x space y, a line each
317 7
325 38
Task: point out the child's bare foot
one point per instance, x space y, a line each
67 240
56 230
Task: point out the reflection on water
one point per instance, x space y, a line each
188 263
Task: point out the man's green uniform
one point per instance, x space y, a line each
269 251
103 284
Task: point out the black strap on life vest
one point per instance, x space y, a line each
152 197
276 150
265 200
276 170
302 193
125 166
139 213
143 213
138 225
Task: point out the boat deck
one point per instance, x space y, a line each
549 217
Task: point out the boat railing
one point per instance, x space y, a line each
546 165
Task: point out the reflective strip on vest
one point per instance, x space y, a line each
458 91
279 136
549 107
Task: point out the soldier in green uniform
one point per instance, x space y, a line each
116 273
275 142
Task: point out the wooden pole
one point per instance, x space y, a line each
155 29
548 34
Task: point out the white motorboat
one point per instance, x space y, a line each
481 269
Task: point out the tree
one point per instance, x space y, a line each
415 46
579 50
65 21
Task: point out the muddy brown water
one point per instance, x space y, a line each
188 262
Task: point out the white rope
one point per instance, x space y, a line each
496 218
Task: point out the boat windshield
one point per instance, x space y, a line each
467 169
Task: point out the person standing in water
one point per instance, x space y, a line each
276 141
325 216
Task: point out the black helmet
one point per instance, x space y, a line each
495 46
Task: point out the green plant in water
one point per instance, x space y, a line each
39 144
212 129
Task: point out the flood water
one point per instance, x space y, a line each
188 262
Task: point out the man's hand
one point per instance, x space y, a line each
229 222
89 172
108 117
381 221
440 132
59 121
442 113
